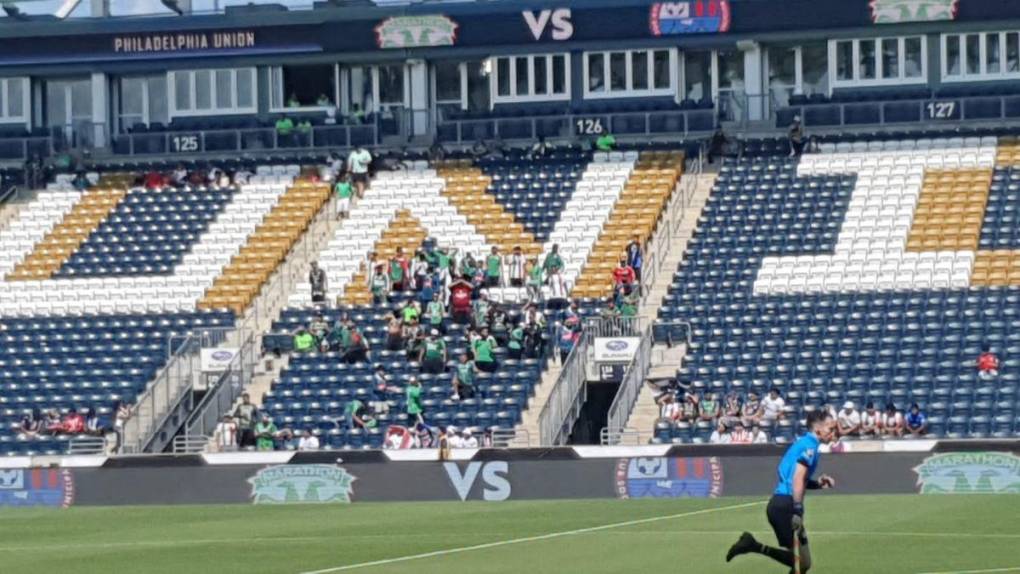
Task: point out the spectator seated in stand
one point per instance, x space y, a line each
740 435
709 408
772 406
265 433
308 441
304 341
225 435
848 421
720 435
916 423
758 436
871 421
987 363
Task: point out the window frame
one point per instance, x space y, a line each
234 109
983 75
5 117
278 99
550 75
607 91
880 80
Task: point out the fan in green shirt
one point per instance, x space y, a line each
265 433
436 311
493 265
629 306
464 380
553 261
284 126
411 313
343 189
606 142
412 395
304 341
468 267
483 349
516 343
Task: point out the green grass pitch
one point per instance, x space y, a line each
849 534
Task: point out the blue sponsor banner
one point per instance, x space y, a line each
692 17
664 477
36 487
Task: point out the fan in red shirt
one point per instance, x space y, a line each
623 275
74 423
987 363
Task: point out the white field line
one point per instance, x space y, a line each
527 539
1013 569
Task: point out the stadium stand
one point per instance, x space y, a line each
850 275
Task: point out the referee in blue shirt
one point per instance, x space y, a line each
786 507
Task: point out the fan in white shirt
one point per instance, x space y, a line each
308 441
720 436
871 421
226 434
848 421
453 438
772 406
468 441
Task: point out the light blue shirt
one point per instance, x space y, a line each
804 451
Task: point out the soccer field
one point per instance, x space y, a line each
849 534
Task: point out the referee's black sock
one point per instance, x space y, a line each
781 555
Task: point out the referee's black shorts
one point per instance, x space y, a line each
780 514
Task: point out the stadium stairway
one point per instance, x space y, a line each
667 359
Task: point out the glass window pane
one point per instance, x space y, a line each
559 69
952 55
541 74
845 60
4 87
15 97
731 69
447 81
866 60
182 90
56 103
503 76
913 64
131 96
661 70
224 90
203 90
697 75
814 59
245 88
1013 52
478 86
992 56
391 84
618 71
782 67
521 76
596 73
81 100
890 58
157 100
973 54
639 70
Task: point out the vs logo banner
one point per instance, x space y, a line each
562 27
494 476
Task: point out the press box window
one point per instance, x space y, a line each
210 92
877 61
980 56
541 77
306 86
630 73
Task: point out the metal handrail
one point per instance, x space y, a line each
564 394
630 386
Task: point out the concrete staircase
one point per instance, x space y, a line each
666 360
527 431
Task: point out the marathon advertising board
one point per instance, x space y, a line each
493 475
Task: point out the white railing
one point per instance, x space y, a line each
567 391
630 386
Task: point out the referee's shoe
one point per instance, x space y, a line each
744 545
